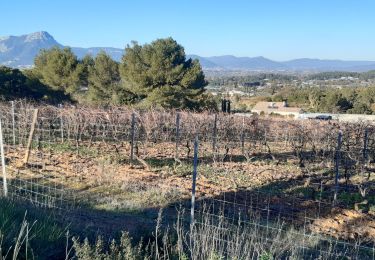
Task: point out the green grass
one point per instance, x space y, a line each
45 239
39 235
71 148
157 163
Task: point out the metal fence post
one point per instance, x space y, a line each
243 136
195 166
365 143
5 186
214 133
177 133
132 138
337 164
61 125
13 124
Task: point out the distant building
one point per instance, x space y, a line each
280 108
232 93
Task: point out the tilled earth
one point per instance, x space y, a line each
102 178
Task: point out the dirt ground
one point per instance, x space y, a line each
100 176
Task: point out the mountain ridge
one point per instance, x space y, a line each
19 51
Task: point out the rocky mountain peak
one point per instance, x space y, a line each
39 36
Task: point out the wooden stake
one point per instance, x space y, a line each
30 140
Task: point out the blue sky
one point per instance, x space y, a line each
277 29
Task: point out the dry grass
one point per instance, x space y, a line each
280 157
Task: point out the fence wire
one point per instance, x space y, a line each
49 156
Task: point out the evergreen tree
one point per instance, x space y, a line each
158 74
16 84
59 69
103 80
84 66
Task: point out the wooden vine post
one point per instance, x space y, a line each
31 134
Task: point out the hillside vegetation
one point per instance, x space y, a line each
156 74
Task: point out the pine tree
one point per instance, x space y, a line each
103 80
59 69
158 74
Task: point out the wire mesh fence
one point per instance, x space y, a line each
52 153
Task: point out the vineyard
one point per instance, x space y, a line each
115 168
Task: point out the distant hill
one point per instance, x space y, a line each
19 51
205 63
115 53
329 65
229 62
246 63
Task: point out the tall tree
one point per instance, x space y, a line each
59 69
159 74
103 80
16 84
84 65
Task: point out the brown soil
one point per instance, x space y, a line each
348 224
100 172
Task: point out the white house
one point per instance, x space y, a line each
280 108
